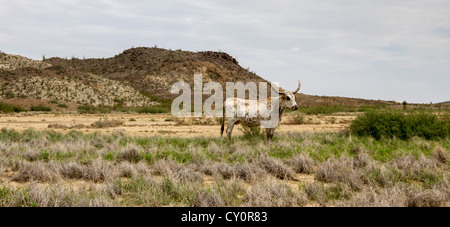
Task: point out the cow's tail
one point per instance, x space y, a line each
223 120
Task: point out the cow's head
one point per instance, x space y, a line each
287 98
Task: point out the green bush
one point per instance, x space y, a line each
40 108
92 109
253 132
298 118
7 108
390 124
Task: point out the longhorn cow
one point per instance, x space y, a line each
285 100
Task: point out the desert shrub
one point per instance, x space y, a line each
40 108
340 170
378 197
7 108
252 132
92 109
277 168
426 198
131 155
440 154
205 198
390 124
224 170
37 195
302 164
271 193
249 172
63 105
106 123
37 171
298 118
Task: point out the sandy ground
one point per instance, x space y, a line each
157 124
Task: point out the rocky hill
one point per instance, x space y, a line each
13 62
154 70
136 77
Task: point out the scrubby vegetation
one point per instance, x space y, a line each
40 108
46 168
402 125
7 108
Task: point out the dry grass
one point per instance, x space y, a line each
379 197
50 169
441 155
427 198
277 168
37 171
302 164
249 172
205 198
340 170
271 193
131 155
105 123
57 195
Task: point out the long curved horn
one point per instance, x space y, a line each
298 88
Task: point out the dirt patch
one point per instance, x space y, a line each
153 124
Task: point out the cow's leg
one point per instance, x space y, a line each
230 126
269 133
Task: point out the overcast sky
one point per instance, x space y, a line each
388 50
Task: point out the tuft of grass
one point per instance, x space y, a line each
340 170
302 164
271 193
105 123
297 118
253 132
207 198
441 154
276 168
39 171
131 155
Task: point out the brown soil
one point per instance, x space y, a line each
155 124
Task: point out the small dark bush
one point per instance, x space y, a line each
390 124
131 155
92 109
253 132
7 108
40 108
